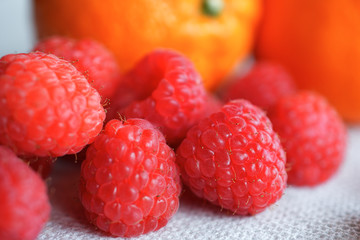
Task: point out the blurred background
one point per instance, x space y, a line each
16 26
316 41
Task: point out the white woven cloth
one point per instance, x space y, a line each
329 211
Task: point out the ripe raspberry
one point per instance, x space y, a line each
24 205
165 89
41 165
47 106
263 85
213 105
313 136
89 57
234 159
76 158
129 180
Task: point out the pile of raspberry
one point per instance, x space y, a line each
143 133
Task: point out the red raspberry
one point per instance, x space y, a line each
129 180
92 59
76 158
24 205
41 165
213 105
263 85
165 89
234 159
47 106
313 136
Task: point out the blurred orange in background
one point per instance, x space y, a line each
319 43
214 34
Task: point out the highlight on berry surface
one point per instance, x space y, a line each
234 159
129 182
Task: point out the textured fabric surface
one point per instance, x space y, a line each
328 211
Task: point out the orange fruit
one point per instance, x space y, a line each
319 43
214 34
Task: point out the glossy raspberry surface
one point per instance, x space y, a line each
234 159
129 180
263 85
47 106
165 89
24 204
313 136
88 56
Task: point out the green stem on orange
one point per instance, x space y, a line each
212 8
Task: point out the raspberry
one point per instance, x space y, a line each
47 106
263 85
129 180
24 205
76 158
165 89
234 159
213 104
90 58
313 136
41 165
